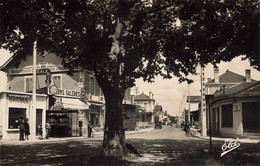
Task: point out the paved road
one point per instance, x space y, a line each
158 147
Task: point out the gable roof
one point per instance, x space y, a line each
7 63
231 77
142 97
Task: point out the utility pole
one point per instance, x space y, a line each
33 126
189 103
203 104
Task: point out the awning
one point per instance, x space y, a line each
74 104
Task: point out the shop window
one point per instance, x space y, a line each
14 115
227 115
94 119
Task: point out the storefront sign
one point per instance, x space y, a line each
58 103
67 92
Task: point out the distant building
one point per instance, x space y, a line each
193 102
158 113
147 103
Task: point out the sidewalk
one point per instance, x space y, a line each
98 135
244 140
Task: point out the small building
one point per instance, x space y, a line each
227 98
236 110
147 103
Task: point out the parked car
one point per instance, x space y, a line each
158 125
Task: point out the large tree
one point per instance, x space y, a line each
122 40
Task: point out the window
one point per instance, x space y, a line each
91 85
227 115
145 106
14 115
95 119
57 81
28 84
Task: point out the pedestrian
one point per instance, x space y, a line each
40 131
182 126
89 129
27 129
187 129
47 129
92 131
21 128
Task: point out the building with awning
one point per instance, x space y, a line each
65 116
68 106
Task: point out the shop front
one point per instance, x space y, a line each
14 105
66 116
96 115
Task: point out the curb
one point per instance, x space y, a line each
228 139
36 141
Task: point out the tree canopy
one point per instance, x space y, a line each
122 40
154 37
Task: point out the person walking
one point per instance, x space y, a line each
92 131
47 129
89 129
187 129
40 131
27 129
21 128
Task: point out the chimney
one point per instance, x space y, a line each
248 75
132 99
150 94
216 78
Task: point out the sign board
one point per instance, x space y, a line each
42 71
236 108
58 103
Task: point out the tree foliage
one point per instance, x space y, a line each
163 37
122 40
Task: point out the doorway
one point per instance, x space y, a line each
251 117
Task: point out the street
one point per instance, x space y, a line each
165 146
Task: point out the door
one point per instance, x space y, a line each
251 117
38 119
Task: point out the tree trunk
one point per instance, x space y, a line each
114 134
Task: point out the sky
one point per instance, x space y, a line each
169 93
